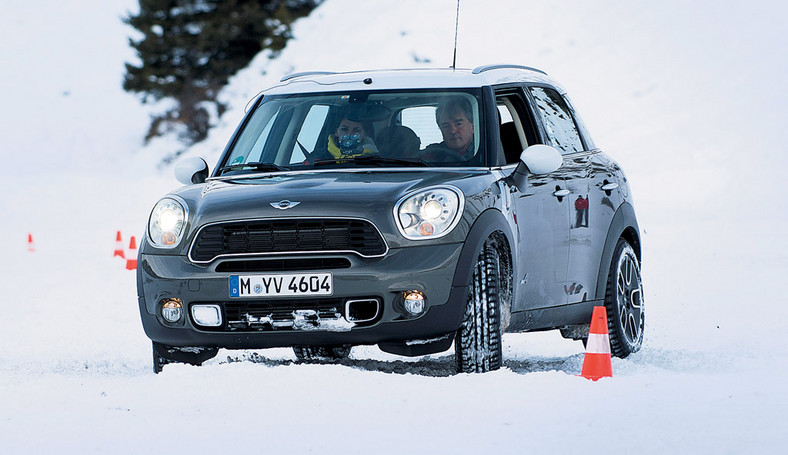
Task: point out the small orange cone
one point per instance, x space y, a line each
30 246
597 363
119 247
131 262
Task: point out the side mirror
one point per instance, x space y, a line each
536 159
191 171
541 159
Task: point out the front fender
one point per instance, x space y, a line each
491 220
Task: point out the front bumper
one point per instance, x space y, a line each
428 268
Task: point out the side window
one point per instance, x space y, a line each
515 125
557 119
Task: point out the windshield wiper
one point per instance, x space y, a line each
372 159
253 166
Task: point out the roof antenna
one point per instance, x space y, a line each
456 23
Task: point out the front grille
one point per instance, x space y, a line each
289 314
283 265
287 236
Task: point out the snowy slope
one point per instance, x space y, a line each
687 96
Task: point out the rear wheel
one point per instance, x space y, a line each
164 355
624 302
322 353
478 340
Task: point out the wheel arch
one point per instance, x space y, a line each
491 223
624 225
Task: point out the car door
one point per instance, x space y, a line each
588 206
541 211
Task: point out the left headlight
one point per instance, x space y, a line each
167 223
430 213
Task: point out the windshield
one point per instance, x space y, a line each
355 129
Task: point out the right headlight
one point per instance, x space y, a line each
430 213
167 222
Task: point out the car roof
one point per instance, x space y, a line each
322 81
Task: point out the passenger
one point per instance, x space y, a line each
350 138
398 142
454 116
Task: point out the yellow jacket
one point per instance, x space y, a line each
333 148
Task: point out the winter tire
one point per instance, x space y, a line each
163 355
321 353
478 340
624 302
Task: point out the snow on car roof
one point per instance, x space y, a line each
321 81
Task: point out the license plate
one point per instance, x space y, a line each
281 284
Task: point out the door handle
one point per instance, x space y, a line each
609 187
561 193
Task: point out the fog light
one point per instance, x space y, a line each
207 315
172 310
414 302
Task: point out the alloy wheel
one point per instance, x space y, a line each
629 297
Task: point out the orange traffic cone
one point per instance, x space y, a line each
119 247
131 262
597 363
30 246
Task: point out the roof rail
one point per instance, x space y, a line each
483 68
304 73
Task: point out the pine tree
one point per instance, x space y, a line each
190 48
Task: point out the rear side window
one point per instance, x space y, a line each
557 118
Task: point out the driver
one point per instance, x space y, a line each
454 116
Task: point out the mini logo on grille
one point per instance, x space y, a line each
282 205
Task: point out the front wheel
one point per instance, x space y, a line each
478 340
624 302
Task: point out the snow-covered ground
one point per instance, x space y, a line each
689 97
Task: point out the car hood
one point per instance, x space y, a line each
368 194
